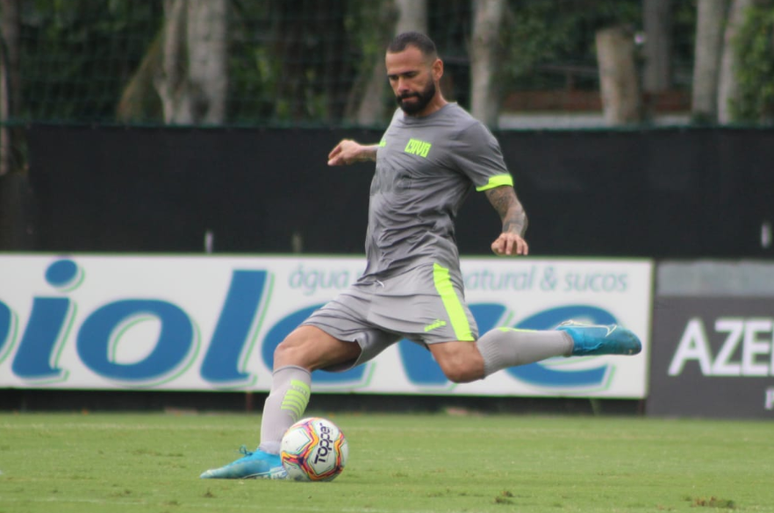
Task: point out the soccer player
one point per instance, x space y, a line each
431 156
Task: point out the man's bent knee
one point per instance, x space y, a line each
461 372
460 362
311 348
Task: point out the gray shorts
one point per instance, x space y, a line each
425 304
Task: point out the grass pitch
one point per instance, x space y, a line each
398 463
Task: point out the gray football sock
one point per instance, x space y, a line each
290 391
509 347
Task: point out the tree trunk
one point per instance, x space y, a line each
728 87
10 81
140 100
485 100
369 98
207 40
618 76
412 16
657 73
371 106
170 79
193 79
398 16
710 19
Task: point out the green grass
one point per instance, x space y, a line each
398 463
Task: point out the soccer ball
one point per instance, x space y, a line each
313 449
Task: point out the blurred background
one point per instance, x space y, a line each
155 125
515 63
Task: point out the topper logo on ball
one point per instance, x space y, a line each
325 445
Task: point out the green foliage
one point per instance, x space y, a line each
754 47
253 73
551 43
542 33
293 61
77 54
367 31
305 62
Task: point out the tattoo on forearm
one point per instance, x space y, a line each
507 205
501 199
517 224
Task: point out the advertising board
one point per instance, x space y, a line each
712 357
213 322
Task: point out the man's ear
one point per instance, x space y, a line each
437 69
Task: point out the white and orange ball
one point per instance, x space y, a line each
314 449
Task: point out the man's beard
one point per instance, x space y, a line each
423 98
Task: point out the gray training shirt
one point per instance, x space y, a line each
425 168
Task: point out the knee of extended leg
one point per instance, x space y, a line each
460 372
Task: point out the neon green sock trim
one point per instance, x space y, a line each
296 399
451 302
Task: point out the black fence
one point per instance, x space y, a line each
662 193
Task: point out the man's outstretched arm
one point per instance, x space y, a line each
511 240
349 152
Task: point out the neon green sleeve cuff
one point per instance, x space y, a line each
496 181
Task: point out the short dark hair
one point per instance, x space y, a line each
416 39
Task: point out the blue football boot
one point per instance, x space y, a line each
254 465
595 339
